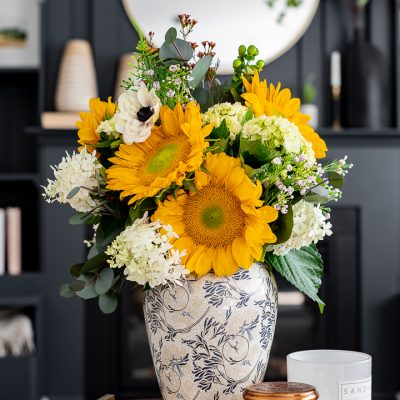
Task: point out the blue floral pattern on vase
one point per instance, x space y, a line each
211 337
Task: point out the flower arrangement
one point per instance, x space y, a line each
185 175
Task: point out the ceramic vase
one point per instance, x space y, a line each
76 83
211 337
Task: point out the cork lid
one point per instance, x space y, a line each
276 390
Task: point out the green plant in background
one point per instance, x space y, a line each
309 91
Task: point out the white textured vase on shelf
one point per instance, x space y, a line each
126 63
312 111
76 83
211 337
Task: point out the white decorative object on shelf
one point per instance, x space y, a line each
76 83
16 334
312 111
126 63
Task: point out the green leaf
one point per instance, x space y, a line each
283 226
200 70
255 153
171 35
108 303
115 144
109 228
94 263
65 291
73 192
335 179
221 132
104 281
75 270
189 185
179 50
303 268
77 285
203 97
102 145
248 116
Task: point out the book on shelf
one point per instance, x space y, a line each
59 120
14 240
10 241
2 241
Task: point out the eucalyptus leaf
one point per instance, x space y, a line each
171 35
73 192
76 269
77 285
303 268
335 179
203 97
88 292
94 251
65 291
315 198
104 281
94 263
179 50
108 303
83 218
200 70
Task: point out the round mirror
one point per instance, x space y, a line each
229 23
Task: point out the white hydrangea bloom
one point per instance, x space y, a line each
310 225
137 113
145 251
233 114
108 127
79 170
275 132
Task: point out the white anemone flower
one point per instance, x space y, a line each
137 113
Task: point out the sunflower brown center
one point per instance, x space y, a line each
213 217
144 114
165 158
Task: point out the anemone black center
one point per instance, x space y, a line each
144 114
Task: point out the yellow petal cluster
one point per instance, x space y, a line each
223 225
99 111
272 101
173 149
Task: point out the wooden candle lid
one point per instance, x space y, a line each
280 390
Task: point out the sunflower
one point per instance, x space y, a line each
223 225
272 101
173 149
99 111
